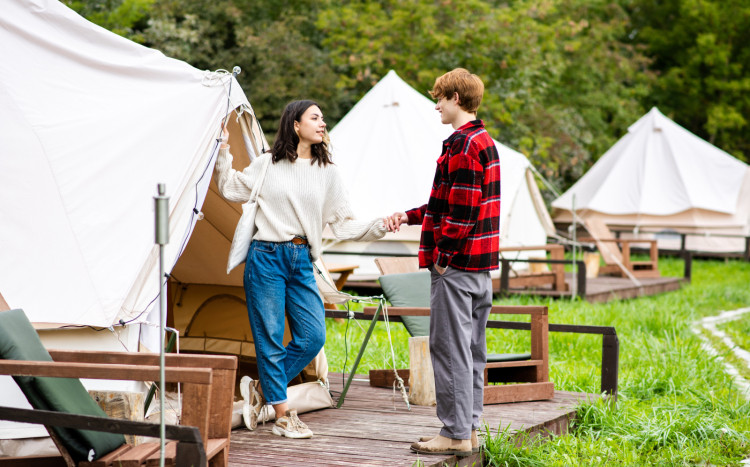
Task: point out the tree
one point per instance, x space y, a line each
701 52
561 86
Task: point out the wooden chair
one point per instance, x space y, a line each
50 381
554 277
407 289
617 261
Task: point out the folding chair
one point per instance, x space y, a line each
617 261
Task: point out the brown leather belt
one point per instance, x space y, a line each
299 241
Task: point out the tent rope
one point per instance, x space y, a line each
398 381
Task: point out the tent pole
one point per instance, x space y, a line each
162 238
574 287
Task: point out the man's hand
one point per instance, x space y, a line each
394 221
440 270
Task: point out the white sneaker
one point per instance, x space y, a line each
291 426
253 402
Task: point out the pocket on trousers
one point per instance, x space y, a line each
265 247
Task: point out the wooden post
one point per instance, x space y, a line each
421 376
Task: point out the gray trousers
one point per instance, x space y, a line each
460 303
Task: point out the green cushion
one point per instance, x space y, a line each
19 341
409 289
413 289
507 357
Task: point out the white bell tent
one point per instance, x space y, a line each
91 123
387 147
660 178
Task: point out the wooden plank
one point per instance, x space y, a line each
170 453
515 364
137 455
425 311
386 378
518 392
36 461
198 398
215 446
103 371
226 362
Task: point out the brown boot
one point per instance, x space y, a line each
442 445
474 440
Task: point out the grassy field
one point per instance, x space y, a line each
676 404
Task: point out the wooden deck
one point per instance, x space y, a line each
606 288
375 428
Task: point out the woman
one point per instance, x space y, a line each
301 193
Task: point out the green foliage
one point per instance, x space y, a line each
124 17
560 86
564 78
701 51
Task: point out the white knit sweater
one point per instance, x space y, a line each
296 199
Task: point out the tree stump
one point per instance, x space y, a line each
421 376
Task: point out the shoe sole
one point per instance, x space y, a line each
289 434
474 450
250 393
449 452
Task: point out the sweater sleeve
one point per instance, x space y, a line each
340 217
233 185
346 227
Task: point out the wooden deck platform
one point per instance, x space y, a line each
606 288
375 428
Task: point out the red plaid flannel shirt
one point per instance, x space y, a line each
461 221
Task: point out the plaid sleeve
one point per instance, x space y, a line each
416 215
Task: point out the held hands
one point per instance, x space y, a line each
394 221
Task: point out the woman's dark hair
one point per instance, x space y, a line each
285 146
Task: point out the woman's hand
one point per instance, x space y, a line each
224 137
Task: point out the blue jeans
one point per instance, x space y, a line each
279 278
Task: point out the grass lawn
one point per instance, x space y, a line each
676 405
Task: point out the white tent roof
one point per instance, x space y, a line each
387 147
658 168
91 123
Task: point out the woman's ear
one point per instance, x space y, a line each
296 127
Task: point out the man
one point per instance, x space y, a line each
459 244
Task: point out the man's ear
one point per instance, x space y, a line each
456 98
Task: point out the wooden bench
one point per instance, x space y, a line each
532 369
208 396
533 372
